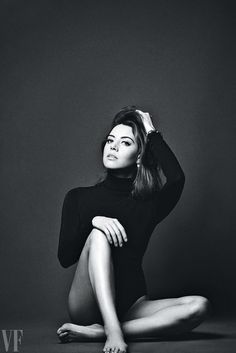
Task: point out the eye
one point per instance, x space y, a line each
108 140
126 143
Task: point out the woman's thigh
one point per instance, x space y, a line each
145 307
82 305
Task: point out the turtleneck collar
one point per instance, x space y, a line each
118 183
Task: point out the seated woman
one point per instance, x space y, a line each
106 228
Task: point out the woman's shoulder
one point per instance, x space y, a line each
79 191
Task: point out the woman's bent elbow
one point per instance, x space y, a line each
65 262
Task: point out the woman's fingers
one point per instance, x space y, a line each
107 233
112 228
146 119
121 229
118 233
113 234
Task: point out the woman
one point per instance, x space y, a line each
106 227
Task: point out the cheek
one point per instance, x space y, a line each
131 156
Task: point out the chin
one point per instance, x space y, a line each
110 166
113 165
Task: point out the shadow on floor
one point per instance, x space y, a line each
191 336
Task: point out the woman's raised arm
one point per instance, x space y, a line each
167 198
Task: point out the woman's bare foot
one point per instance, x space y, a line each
71 333
115 342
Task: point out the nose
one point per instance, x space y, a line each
114 147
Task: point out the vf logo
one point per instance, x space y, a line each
11 340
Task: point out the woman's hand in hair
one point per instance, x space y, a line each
147 120
112 228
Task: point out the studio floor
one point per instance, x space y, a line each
216 335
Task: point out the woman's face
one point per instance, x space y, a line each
121 148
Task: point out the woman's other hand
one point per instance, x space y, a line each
147 120
112 228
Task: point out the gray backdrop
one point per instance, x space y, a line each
66 68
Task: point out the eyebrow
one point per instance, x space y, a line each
122 137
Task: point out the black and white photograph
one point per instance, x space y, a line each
118 176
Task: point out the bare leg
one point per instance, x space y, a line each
144 319
157 318
102 278
82 304
95 269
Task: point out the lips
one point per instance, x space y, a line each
111 156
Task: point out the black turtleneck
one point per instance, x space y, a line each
112 198
122 184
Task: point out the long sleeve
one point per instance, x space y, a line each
71 238
167 198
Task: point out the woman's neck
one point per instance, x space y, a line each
128 172
120 180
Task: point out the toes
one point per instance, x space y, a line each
63 334
64 339
64 327
111 350
114 350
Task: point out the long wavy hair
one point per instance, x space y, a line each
148 176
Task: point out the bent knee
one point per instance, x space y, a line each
199 307
96 236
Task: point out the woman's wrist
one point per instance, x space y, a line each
152 130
